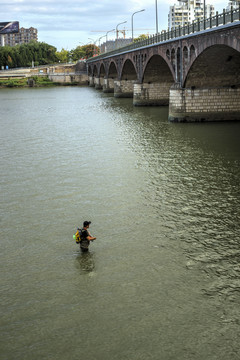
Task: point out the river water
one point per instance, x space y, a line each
162 280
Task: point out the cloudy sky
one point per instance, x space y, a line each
69 23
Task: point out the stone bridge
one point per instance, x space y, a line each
197 75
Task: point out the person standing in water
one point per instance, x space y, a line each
86 237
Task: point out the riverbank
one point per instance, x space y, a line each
50 75
34 81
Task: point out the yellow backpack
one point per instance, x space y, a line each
77 236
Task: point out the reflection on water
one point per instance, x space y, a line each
85 262
162 279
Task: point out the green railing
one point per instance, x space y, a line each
218 20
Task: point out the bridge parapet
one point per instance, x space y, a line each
227 17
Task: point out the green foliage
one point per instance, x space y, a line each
43 81
42 54
63 56
38 80
84 52
140 38
13 83
78 53
23 55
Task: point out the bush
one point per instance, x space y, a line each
10 83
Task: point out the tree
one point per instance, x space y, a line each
91 50
140 38
23 55
9 60
78 53
63 55
84 52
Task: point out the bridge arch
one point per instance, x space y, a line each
173 58
90 69
216 66
157 70
102 70
156 82
192 53
112 70
95 71
129 71
185 57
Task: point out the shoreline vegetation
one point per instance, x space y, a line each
33 81
24 55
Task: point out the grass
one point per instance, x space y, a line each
39 81
13 82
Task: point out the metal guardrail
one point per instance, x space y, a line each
37 67
196 26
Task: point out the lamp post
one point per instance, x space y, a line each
132 20
204 11
117 30
99 42
107 39
93 45
156 5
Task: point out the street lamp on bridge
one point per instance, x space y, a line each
107 38
132 20
117 31
156 6
204 12
99 42
94 42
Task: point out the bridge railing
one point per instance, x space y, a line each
196 26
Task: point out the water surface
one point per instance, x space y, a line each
162 279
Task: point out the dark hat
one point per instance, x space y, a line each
86 223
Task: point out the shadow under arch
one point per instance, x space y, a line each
157 70
102 71
90 70
128 71
112 71
95 71
217 66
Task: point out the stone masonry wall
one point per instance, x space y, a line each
204 104
123 88
81 79
151 94
97 82
91 81
108 86
101 81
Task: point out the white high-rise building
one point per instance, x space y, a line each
188 11
233 4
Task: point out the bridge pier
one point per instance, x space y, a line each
108 85
98 82
123 88
91 81
147 94
207 104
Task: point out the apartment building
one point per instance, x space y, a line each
24 36
233 4
187 11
